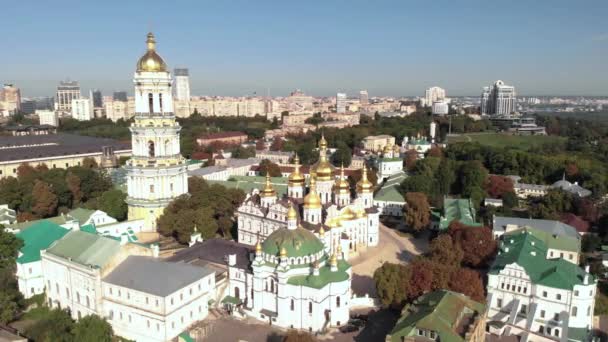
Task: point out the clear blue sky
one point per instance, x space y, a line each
238 47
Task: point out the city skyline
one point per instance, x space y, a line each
236 49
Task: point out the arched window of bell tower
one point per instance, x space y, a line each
151 103
151 148
160 102
167 146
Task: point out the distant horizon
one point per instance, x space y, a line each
390 48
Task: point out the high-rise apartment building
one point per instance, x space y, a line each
341 103
182 84
363 97
434 94
10 99
119 96
97 98
66 92
81 109
498 99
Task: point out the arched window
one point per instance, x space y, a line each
292 305
151 103
88 302
272 285
237 293
338 301
151 151
160 102
310 307
574 311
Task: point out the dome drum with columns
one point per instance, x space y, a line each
325 208
156 172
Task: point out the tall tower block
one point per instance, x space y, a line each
156 172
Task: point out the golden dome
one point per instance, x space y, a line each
312 200
268 190
333 222
347 214
341 185
296 177
291 213
283 252
339 248
322 142
360 212
396 148
151 61
321 231
364 185
333 261
258 247
387 148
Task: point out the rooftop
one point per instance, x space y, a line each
389 191
221 135
85 248
215 251
37 237
459 209
530 252
141 273
248 183
499 224
15 148
446 313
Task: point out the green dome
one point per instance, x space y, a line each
297 242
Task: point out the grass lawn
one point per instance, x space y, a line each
523 142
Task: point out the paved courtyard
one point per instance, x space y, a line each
392 248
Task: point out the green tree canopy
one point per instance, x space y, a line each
112 202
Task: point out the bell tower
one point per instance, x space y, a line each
156 172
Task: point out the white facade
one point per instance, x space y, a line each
48 117
156 172
82 109
433 94
440 108
341 103
498 99
537 296
182 84
143 315
363 97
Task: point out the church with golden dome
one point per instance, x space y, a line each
156 172
324 205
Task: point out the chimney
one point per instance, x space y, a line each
231 259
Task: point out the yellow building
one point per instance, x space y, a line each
156 172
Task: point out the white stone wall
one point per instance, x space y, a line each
30 278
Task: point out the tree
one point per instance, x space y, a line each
444 251
343 155
468 282
510 200
93 328
411 156
9 248
260 145
298 336
45 201
112 202
477 243
421 281
73 183
241 152
268 166
496 186
57 326
472 176
391 284
277 144
89 162
417 211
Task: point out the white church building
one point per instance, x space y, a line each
327 209
293 281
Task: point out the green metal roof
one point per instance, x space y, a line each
459 209
59 220
81 215
85 248
390 190
391 159
326 276
185 336
439 311
297 242
530 252
248 183
564 243
37 237
89 228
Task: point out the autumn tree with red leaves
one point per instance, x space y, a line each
477 243
496 186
